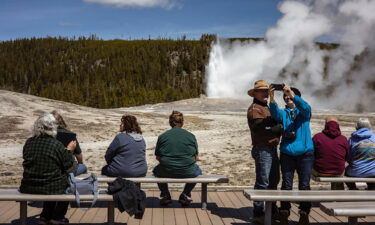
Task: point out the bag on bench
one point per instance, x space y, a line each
88 185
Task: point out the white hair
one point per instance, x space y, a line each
363 123
45 124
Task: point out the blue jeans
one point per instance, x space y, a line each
303 164
80 169
267 174
163 187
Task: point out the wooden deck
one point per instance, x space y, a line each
223 208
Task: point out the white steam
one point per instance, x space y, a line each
167 4
289 55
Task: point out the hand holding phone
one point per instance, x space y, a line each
277 87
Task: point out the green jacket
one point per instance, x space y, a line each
46 164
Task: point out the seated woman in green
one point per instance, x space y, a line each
177 153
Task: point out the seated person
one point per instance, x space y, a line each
126 155
65 137
46 163
362 153
330 149
177 151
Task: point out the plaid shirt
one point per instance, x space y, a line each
46 164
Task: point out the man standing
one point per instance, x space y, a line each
296 148
265 136
331 150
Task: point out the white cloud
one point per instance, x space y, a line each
167 4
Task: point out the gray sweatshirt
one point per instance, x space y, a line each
126 156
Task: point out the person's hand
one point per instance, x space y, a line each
197 158
271 93
288 92
158 158
72 145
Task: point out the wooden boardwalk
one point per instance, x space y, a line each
223 208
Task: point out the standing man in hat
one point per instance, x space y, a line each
265 136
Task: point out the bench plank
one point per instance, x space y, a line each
152 179
308 195
344 179
348 208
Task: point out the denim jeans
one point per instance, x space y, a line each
303 164
163 187
80 169
267 174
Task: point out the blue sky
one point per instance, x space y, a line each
136 19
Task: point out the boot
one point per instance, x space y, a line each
283 217
303 218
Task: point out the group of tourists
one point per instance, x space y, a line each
326 154
53 152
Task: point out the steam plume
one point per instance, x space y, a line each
342 78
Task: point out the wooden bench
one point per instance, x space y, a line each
270 196
15 195
353 210
202 179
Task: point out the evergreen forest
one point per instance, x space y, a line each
106 73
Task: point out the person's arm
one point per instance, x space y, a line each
66 156
157 150
111 151
276 113
79 158
303 106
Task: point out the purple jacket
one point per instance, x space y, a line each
331 150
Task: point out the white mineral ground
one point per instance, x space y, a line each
220 126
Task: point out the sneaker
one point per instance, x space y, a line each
165 200
60 221
283 217
184 199
303 218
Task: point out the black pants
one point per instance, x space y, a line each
54 210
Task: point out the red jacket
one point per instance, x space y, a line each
331 150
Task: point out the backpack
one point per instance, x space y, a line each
88 185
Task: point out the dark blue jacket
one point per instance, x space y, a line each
126 156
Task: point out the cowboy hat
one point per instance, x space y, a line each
258 85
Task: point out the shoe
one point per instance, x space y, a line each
184 200
165 200
303 218
60 221
283 217
43 221
258 220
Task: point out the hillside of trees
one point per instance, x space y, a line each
106 74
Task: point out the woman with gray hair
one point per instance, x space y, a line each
46 163
361 157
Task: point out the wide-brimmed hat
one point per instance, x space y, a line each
258 85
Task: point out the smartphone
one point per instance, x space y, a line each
278 87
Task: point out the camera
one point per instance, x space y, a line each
289 135
277 87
